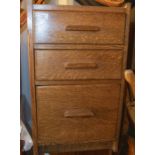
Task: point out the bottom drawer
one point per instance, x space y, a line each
77 113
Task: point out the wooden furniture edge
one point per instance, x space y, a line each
46 7
122 97
49 148
77 46
31 75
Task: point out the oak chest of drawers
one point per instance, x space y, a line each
77 56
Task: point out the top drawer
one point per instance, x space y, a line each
62 26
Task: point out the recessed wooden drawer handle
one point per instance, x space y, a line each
78 113
82 28
86 65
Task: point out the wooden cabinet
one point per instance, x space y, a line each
77 56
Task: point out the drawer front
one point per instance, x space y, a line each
79 27
78 64
77 113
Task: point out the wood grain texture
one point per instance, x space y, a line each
97 152
78 112
79 149
53 101
50 27
78 64
54 47
82 28
31 74
124 66
77 46
76 82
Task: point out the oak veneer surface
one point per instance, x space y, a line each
54 101
77 56
92 27
78 64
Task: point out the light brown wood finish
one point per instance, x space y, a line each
76 82
31 74
62 27
77 147
82 28
54 101
122 97
78 112
96 152
104 93
77 46
99 152
78 64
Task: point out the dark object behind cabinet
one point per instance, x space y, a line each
76 70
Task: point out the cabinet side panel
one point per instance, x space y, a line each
124 65
31 74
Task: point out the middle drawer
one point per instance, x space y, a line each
78 64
